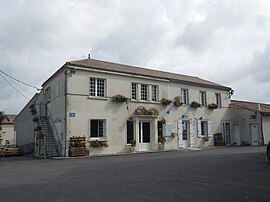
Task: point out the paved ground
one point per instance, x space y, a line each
219 174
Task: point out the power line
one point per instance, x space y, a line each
13 86
20 81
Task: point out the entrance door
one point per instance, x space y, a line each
227 132
254 134
236 131
144 136
183 133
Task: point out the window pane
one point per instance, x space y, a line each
100 87
92 87
203 98
134 91
144 92
130 135
100 129
154 93
94 128
184 93
218 99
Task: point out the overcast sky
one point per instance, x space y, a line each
227 42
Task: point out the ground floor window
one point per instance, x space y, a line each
204 128
97 128
130 131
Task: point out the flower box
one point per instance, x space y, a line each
212 106
119 98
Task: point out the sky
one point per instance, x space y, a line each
227 42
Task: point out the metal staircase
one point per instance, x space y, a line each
50 146
51 143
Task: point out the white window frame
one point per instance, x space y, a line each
97 88
218 99
104 129
154 93
144 92
185 96
203 98
134 91
207 129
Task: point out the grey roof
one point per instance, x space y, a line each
132 70
252 106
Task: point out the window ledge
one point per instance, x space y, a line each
145 101
97 98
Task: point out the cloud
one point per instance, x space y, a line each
222 41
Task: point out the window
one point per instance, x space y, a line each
154 93
48 95
134 91
218 99
97 128
144 92
184 94
97 87
130 132
204 128
203 98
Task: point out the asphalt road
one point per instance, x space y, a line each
219 174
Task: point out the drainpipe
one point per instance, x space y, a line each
65 134
262 128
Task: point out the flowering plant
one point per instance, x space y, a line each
144 111
119 98
177 101
195 104
165 101
212 106
99 143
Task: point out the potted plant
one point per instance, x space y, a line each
119 98
195 104
144 111
133 145
165 101
173 134
35 119
177 101
99 143
212 106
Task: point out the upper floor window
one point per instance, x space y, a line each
218 99
184 94
144 92
203 98
154 93
134 91
97 87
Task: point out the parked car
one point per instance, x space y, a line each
11 150
268 151
1 149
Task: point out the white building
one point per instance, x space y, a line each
77 100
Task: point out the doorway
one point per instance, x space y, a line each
184 133
226 132
144 136
254 134
236 131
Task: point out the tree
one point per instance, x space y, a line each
3 117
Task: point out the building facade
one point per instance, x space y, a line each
7 132
250 123
111 105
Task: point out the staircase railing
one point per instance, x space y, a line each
55 133
44 113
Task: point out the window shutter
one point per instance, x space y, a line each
191 132
209 129
180 132
199 129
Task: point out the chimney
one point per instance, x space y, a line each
89 56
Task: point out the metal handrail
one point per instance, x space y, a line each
55 132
